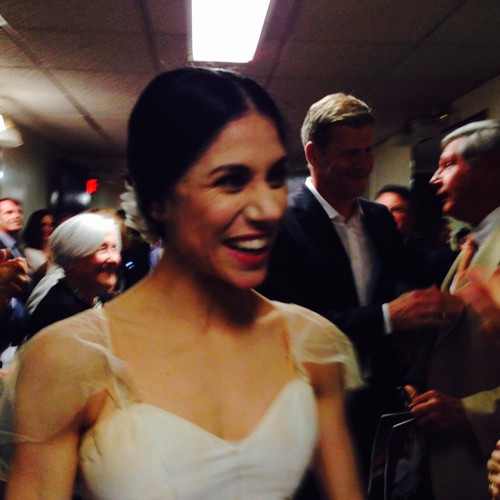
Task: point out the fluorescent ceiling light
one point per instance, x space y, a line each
10 137
226 30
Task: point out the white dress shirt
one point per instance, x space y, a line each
482 231
365 264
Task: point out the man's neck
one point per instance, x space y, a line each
344 206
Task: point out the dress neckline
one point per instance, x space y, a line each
299 377
140 407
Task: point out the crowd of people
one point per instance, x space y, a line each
256 355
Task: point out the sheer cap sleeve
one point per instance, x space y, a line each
314 339
53 377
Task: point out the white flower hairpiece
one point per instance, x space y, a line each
134 217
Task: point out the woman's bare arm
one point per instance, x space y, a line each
45 470
335 463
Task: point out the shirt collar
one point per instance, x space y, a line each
481 232
7 240
330 211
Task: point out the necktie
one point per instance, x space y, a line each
469 248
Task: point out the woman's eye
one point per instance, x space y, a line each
232 181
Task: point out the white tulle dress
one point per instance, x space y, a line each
142 451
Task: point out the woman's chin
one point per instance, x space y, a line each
247 280
108 284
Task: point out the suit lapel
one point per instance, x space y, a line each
379 243
316 224
487 259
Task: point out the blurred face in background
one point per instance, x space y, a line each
341 170
400 210
47 227
97 271
11 217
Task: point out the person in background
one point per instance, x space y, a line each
191 373
87 247
11 222
438 235
13 317
342 256
482 294
36 239
460 411
398 201
14 275
36 235
136 255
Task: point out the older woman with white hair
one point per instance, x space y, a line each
87 247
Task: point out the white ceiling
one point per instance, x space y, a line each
70 70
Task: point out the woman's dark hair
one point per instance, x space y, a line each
32 234
177 117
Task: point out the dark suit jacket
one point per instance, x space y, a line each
23 297
309 266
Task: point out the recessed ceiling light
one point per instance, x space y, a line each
226 30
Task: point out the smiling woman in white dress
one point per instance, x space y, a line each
190 385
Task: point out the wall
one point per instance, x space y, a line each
27 172
392 166
111 185
392 161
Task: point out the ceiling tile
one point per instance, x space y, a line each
168 16
364 21
90 51
31 92
449 63
72 15
172 51
11 55
476 22
330 60
104 94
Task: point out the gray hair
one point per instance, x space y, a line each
479 138
80 236
334 109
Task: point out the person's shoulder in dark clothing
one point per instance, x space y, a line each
59 303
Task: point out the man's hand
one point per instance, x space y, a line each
425 308
437 412
14 275
494 472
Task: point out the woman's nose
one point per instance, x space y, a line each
267 204
114 256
